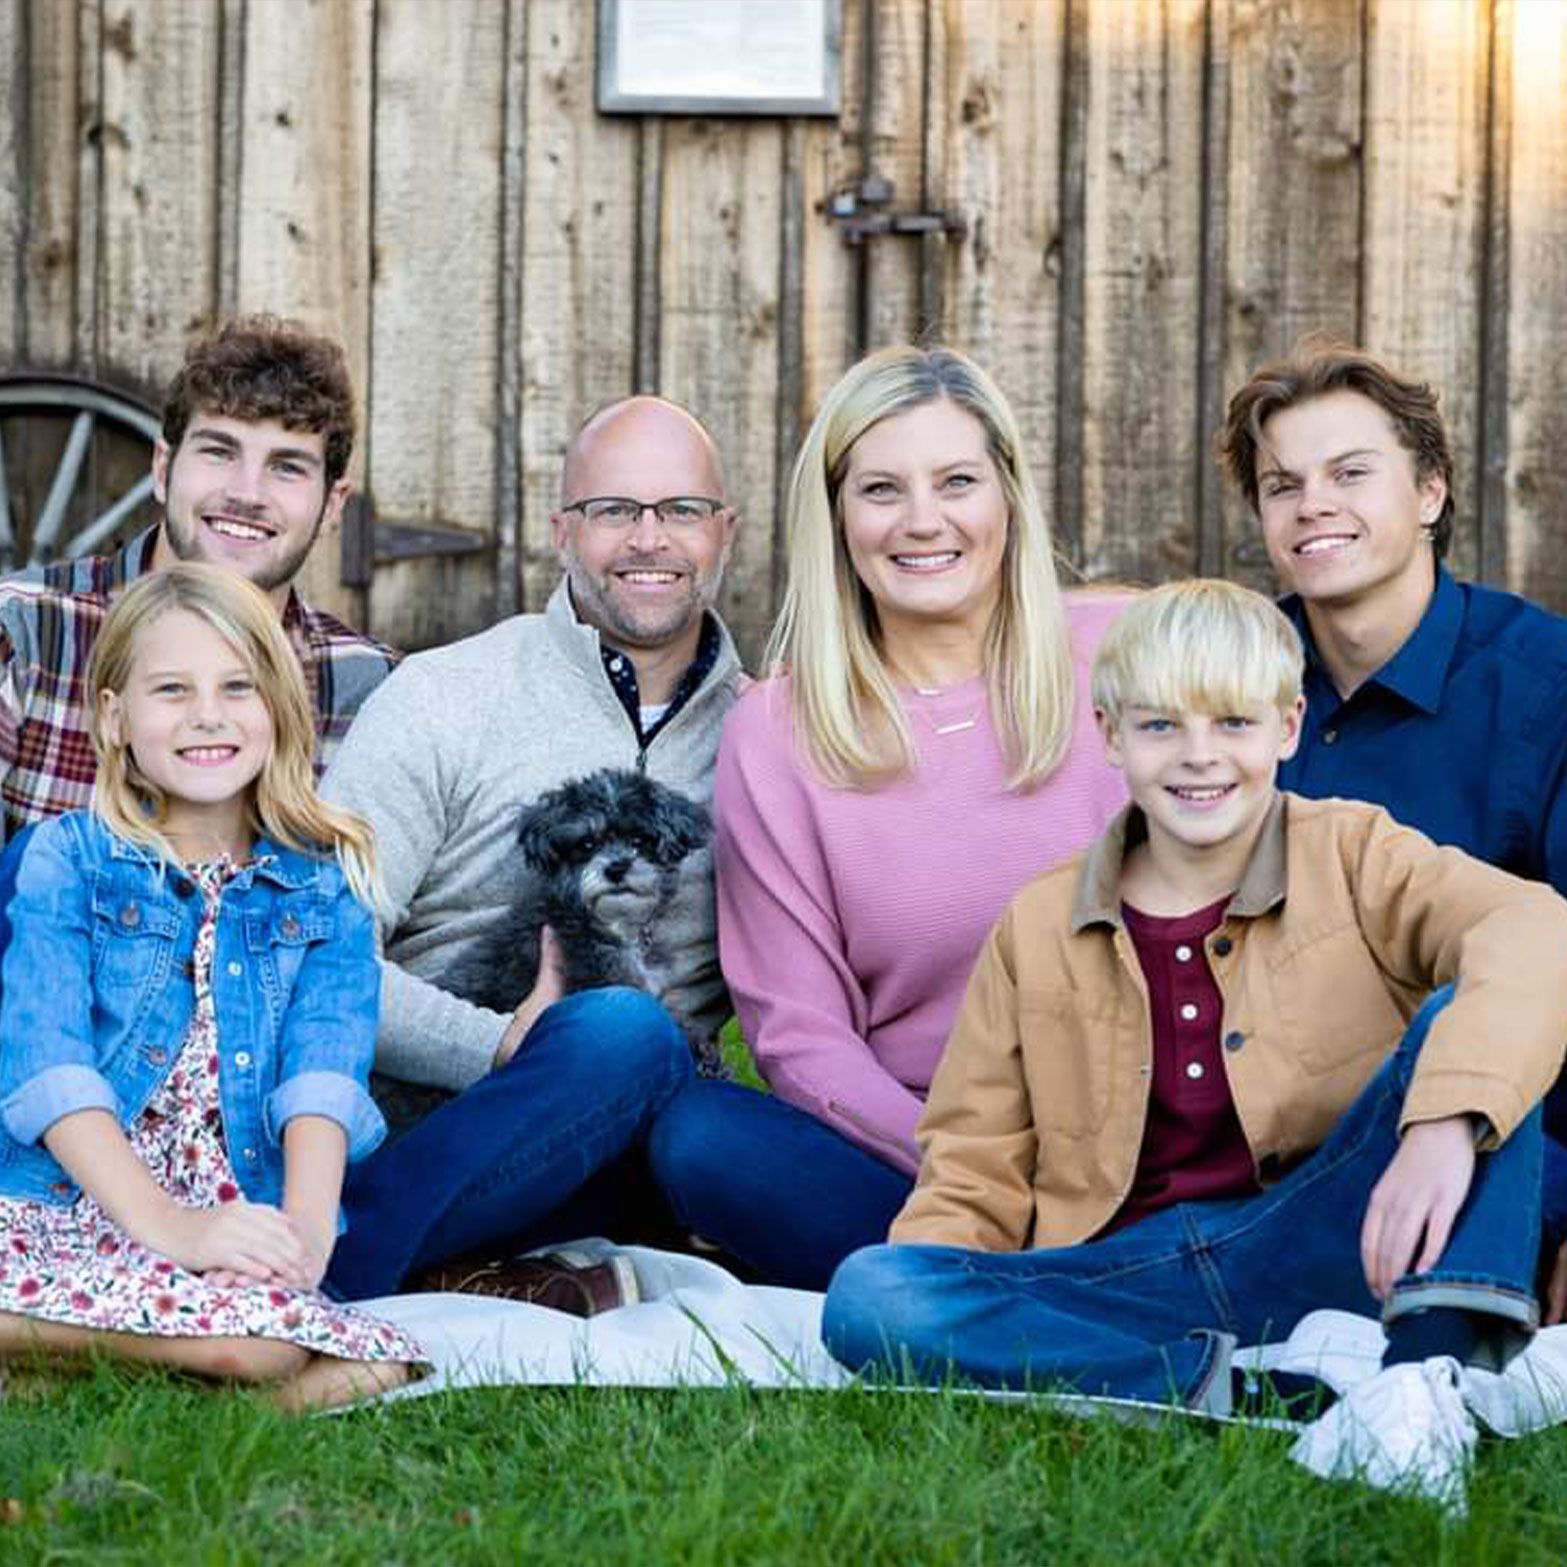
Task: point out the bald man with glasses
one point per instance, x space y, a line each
526 1129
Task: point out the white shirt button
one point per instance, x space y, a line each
1189 1011
236 968
1194 1069
242 1058
1183 954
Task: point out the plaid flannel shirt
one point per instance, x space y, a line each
49 621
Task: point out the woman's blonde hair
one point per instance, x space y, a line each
283 802
846 707
1199 646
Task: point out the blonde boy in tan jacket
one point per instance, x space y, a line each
1193 1092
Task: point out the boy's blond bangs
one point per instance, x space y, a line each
1203 646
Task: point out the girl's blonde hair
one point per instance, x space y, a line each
283 802
1199 646
846 708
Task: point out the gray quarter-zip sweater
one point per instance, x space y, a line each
440 761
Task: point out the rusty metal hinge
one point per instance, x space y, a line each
368 542
860 212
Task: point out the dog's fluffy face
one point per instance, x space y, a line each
617 837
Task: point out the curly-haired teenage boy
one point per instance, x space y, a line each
258 427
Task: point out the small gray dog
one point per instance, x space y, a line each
603 855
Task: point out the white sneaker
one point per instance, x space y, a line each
1529 1395
1336 1347
1404 1429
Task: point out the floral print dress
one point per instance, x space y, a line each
76 1265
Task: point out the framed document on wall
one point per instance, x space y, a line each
719 56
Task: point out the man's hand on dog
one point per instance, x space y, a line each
548 988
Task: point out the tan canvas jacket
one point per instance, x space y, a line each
1341 925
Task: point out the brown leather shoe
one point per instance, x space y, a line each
562 1280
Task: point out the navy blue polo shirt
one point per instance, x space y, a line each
1462 733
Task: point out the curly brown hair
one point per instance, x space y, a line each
266 367
1315 369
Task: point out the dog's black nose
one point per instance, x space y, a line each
617 870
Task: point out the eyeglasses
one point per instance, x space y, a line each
618 513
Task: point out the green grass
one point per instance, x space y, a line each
738 1058
120 1468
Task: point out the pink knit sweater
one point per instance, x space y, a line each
848 920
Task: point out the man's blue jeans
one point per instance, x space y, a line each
1152 1312
772 1186
505 1164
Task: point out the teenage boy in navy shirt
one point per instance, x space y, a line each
1440 700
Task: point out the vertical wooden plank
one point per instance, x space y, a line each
232 109
1293 240
435 304
158 264
649 251
13 175
1215 199
89 180
826 156
1536 562
508 434
1142 254
1425 129
720 229
1002 134
1068 488
1495 285
579 265
53 141
894 145
819 278
302 201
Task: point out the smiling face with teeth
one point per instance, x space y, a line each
248 495
644 589
1344 514
197 728
1204 782
925 523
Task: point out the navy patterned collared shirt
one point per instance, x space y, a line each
623 677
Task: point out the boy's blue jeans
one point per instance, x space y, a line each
521 1157
1152 1312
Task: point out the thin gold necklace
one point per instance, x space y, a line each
957 726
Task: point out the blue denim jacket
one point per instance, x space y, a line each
98 998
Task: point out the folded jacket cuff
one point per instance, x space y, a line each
334 1095
31 1109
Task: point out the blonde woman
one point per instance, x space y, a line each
924 745
188 1020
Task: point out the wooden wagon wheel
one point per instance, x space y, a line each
74 467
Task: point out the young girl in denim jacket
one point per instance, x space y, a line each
188 1021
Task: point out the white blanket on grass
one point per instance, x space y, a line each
696 1326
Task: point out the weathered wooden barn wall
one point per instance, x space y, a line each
1157 193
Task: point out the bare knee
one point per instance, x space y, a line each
244 1359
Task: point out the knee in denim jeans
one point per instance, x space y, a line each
614 1039
879 1310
